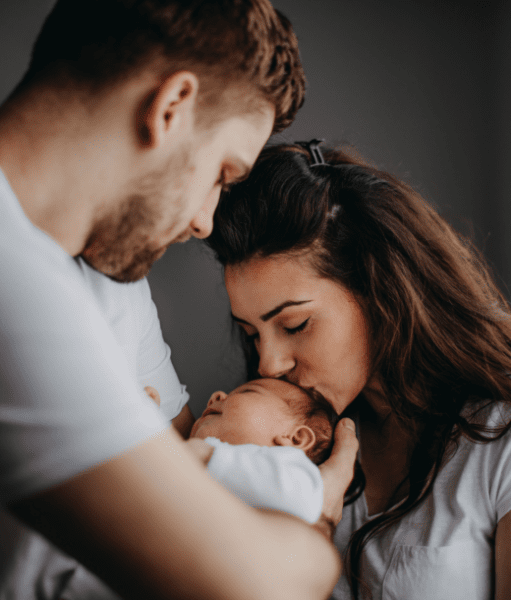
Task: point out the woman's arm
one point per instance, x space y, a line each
152 524
503 558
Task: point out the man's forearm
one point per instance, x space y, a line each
326 527
153 524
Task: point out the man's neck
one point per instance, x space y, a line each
55 163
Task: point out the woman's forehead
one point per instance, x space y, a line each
258 286
274 272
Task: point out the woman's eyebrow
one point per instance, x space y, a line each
274 312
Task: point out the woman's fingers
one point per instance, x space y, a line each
345 443
337 471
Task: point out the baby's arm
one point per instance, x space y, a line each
279 478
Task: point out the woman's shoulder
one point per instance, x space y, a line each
492 414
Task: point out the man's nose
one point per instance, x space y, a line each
202 223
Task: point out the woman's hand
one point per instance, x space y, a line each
337 473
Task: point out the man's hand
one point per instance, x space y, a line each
153 394
337 473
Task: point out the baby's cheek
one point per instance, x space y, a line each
260 424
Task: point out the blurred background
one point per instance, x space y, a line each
421 88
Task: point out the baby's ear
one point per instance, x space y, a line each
301 437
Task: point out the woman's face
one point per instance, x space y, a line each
306 328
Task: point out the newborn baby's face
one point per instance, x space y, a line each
254 413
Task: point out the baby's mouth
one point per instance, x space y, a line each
211 411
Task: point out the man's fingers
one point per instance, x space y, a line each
153 394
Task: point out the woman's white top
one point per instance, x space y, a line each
444 549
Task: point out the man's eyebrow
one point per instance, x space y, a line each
274 312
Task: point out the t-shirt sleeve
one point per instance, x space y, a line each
154 365
277 477
498 455
67 398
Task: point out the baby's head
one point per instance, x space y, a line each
270 412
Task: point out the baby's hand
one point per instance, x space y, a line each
201 449
153 394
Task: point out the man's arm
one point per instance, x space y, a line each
153 524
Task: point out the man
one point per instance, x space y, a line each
131 118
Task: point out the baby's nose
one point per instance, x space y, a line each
216 397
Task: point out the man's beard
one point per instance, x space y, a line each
119 244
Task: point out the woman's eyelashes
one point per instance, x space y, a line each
289 330
297 329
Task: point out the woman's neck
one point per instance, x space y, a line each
385 451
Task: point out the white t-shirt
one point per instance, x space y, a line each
67 397
444 549
132 316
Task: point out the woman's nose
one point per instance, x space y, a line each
216 397
274 363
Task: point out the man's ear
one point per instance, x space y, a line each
301 437
167 109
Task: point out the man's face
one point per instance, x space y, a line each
254 413
174 202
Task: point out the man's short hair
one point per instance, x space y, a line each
95 43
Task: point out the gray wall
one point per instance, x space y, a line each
421 88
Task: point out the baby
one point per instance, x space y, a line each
270 412
263 442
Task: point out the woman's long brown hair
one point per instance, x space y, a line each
440 329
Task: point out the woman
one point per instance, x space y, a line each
343 279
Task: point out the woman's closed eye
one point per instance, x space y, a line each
252 337
298 328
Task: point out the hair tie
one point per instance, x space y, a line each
313 148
